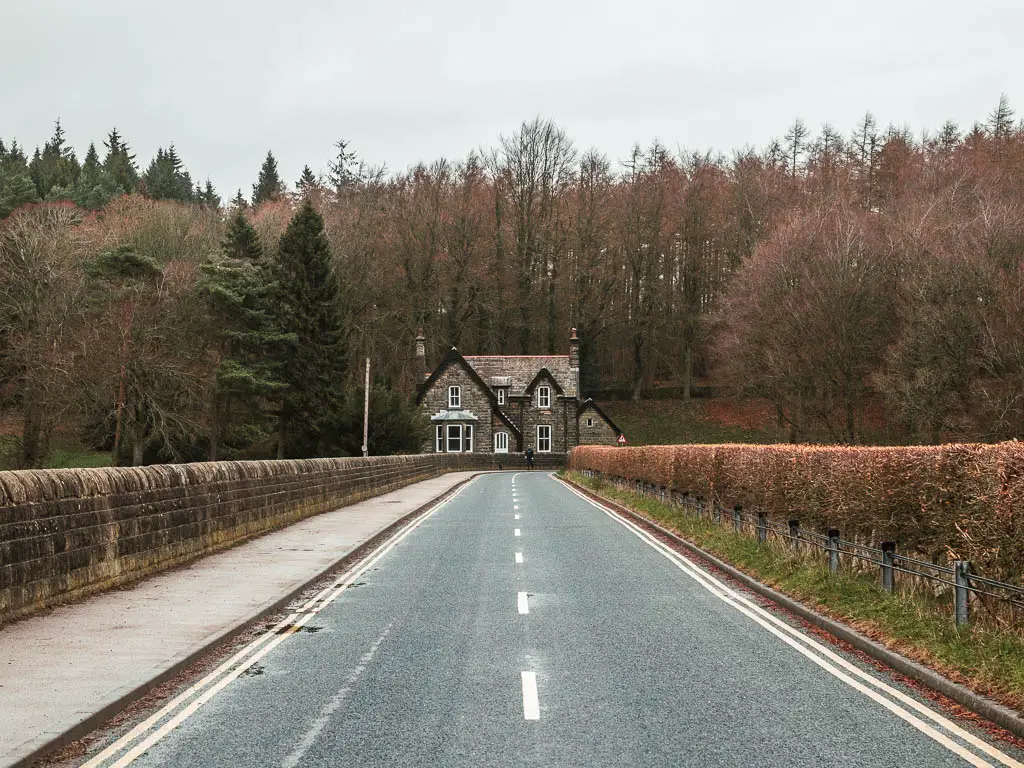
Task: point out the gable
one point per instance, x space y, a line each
455 359
590 406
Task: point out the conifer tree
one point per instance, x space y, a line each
239 202
167 179
345 169
307 303
307 181
240 296
56 166
269 185
94 187
119 163
207 196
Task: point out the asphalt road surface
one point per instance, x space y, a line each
519 624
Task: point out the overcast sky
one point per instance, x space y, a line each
409 81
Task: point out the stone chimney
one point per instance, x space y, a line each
421 353
574 350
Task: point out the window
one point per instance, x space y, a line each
590 422
543 397
501 442
467 439
543 438
454 438
439 439
501 397
454 397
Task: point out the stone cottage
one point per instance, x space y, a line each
508 403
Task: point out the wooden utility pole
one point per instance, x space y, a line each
366 409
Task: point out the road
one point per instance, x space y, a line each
518 624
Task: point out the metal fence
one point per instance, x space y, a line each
971 592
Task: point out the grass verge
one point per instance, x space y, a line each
674 422
988 660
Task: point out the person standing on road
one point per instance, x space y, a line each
529 458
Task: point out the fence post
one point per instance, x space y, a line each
794 532
833 550
762 528
962 577
699 506
737 518
888 560
716 511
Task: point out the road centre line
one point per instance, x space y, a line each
519 557
790 636
269 640
517 532
531 703
515 517
515 506
524 606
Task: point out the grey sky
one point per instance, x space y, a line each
410 81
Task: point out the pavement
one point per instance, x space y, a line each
519 625
60 668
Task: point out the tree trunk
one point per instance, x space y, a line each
31 434
688 372
138 451
282 430
638 367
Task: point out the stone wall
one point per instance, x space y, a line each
474 399
600 433
66 533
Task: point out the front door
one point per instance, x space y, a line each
501 442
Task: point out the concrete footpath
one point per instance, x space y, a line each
59 669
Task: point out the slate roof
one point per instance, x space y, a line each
523 369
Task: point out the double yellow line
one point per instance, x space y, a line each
143 736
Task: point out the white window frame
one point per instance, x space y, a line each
439 439
549 438
454 396
501 442
590 421
543 397
467 438
501 396
453 433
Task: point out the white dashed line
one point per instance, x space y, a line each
519 557
515 506
516 517
531 704
524 606
517 531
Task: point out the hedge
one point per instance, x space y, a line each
947 502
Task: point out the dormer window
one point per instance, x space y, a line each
454 397
543 397
501 397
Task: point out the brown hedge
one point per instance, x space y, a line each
957 501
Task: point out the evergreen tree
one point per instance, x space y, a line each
94 188
345 170
55 166
16 189
16 186
307 181
167 179
269 185
307 304
240 296
207 196
239 201
119 163
1000 122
